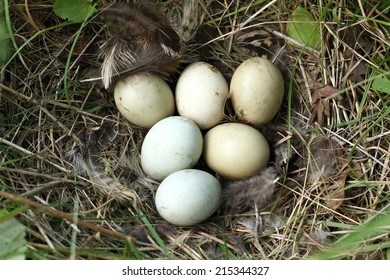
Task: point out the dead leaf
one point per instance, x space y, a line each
337 196
320 103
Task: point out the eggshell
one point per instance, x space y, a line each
188 197
257 90
201 93
144 99
235 150
172 144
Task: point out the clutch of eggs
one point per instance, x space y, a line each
174 144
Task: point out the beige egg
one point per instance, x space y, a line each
201 93
144 99
235 150
257 90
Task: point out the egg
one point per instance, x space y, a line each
188 197
256 90
201 93
235 150
144 99
172 144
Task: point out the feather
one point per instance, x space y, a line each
140 39
257 190
323 158
86 164
191 19
109 170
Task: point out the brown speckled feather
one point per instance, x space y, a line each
140 39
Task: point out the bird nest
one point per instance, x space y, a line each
68 154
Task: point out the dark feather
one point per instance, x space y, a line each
140 39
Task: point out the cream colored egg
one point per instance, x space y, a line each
235 150
144 99
201 93
172 144
188 197
257 90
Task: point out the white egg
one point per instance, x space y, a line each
201 93
172 144
257 90
235 150
188 197
144 99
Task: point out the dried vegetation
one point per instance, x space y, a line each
65 149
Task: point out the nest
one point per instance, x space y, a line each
64 144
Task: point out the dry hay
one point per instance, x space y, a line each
64 144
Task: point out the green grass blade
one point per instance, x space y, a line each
154 234
355 241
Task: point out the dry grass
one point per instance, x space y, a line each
66 150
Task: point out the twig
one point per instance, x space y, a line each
65 216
